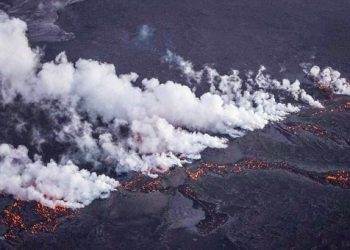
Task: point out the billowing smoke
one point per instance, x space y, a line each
17 60
231 85
113 122
265 82
330 78
51 184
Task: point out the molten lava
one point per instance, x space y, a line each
32 218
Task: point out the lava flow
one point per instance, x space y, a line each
222 169
50 218
12 218
336 178
32 218
340 178
213 219
143 184
342 107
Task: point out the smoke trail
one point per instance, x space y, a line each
230 86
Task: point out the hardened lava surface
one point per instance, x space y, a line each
283 187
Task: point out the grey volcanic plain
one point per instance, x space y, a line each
290 197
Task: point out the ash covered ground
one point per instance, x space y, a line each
285 186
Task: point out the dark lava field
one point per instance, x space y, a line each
286 186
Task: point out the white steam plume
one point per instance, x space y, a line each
265 82
186 67
17 60
330 78
164 118
167 123
229 86
51 184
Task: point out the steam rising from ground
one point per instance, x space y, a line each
121 121
330 78
51 184
230 86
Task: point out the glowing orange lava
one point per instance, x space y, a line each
12 218
340 178
222 169
32 218
49 223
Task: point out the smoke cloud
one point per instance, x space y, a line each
51 184
113 122
231 85
330 78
